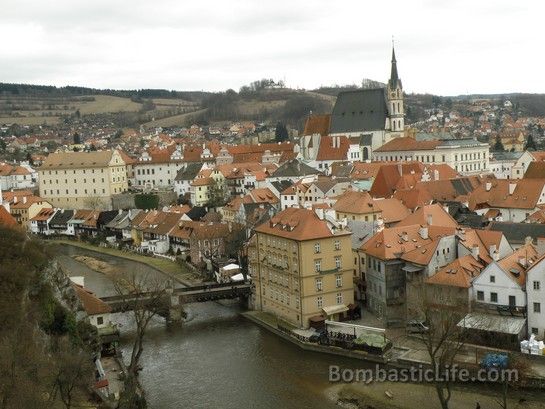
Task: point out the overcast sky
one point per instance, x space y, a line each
442 47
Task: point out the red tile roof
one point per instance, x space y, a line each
407 144
317 124
333 148
6 219
297 224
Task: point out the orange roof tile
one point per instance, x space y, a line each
459 273
438 215
317 124
90 302
407 144
327 150
6 219
298 224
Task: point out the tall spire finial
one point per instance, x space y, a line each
393 73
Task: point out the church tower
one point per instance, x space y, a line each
395 99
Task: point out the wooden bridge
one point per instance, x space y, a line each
173 299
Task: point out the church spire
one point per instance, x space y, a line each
394 78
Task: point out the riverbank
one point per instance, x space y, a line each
172 269
423 396
269 322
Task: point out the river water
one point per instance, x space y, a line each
217 359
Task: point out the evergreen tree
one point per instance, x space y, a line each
530 143
498 146
281 132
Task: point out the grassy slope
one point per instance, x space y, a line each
107 103
176 120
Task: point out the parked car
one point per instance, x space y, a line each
417 327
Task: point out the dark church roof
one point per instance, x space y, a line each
295 168
359 110
516 233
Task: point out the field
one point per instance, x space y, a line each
174 120
29 110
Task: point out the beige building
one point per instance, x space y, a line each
301 265
78 180
26 207
466 156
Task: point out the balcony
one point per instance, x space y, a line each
501 309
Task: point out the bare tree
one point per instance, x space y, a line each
442 342
144 298
72 372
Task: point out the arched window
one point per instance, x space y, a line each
365 153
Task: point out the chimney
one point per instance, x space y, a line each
14 199
462 234
445 208
400 169
492 250
404 236
522 261
528 240
475 251
540 245
436 174
512 187
488 186
380 224
24 199
319 212
424 232
429 219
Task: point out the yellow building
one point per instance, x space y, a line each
79 180
26 207
302 267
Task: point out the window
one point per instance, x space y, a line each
100 320
512 301
337 262
319 285
492 279
537 307
535 331
493 297
536 285
339 281
480 295
317 247
318 265
339 298
319 301
337 245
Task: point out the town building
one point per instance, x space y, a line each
78 180
466 156
25 208
302 266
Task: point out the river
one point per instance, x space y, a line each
217 359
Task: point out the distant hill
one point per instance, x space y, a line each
261 101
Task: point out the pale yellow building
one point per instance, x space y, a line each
302 267
83 180
25 208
